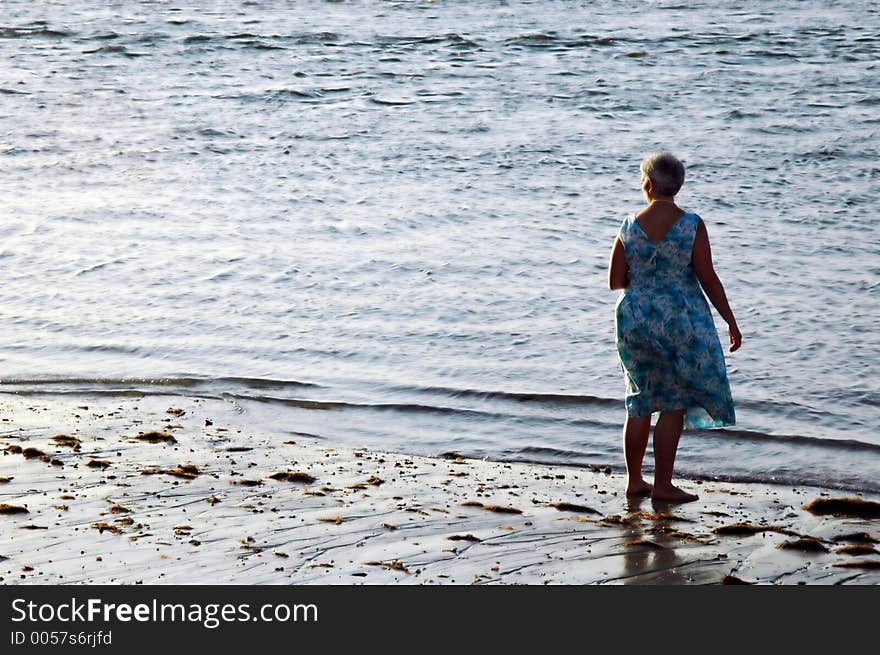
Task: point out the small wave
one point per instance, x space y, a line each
151 38
550 40
451 39
256 44
313 37
267 41
821 31
295 93
796 439
242 35
210 131
825 153
789 128
112 348
522 397
181 382
419 408
254 41
114 49
102 36
39 30
845 396
594 92
553 455
537 39
111 393
276 95
98 267
336 404
264 383
592 40
391 101
738 113
779 54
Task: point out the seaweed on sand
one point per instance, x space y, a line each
500 509
12 509
155 437
805 545
463 537
849 506
571 507
185 471
744 529
293 476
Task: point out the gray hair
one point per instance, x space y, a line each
665 170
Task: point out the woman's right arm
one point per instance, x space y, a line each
701 260
618 271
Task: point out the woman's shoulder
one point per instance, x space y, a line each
628 219
626 225
694 217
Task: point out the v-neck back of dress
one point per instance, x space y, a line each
671 227
666 261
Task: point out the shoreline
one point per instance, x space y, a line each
200 497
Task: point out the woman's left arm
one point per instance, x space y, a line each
618 271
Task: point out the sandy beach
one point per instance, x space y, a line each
160 490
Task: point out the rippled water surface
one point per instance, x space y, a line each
388 223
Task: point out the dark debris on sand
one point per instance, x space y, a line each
185 471
12 509
857 549
155 437
733 580
745 529
67 441
851 506
246 483
32 453
293 476
103 527
463 537
571 507
394 565
859 564
855 538
804 545
500 509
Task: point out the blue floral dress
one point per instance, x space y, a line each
666 338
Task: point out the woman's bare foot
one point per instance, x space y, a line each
638 488
672 494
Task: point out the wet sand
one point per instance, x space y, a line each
159 489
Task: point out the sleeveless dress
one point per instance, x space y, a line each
666 339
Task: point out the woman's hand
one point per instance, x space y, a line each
735 337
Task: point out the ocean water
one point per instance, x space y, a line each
387 224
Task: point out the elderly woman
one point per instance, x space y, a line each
666 339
